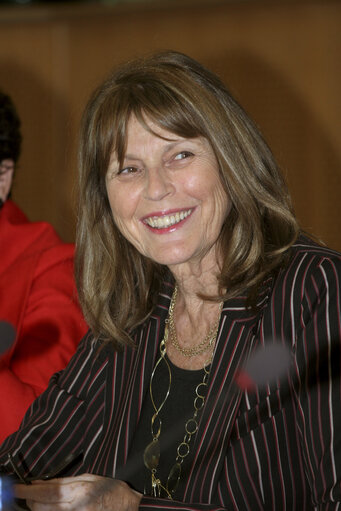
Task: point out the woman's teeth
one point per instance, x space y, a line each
160 222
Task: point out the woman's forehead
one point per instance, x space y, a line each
146 123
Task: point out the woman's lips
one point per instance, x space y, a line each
167 222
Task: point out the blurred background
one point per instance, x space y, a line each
280 58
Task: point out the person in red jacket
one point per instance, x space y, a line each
38 297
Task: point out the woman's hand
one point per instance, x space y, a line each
86 492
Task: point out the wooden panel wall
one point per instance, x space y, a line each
280 58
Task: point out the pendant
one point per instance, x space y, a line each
151 455
174 477
156 486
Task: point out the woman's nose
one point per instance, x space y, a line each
157 184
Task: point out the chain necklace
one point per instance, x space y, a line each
205 344
151 455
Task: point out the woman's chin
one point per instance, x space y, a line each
170 258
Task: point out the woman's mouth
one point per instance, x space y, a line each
166 221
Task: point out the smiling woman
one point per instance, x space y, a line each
210 379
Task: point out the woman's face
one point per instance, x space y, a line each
167 199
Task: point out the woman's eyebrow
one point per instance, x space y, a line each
167 147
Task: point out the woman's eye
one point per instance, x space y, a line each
128 170
183 155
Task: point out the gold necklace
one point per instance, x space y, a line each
151 455
205 344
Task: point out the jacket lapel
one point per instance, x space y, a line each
237 330
147 340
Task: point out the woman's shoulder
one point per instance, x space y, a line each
311 263
28 237
305 246
11 213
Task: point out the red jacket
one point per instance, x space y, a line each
38 297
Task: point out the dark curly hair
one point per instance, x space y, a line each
10 134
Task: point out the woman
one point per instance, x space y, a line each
192 275
37 292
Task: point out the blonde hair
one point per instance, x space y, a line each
117 285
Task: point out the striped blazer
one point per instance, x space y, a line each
273 448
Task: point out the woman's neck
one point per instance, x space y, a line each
194 317
197 278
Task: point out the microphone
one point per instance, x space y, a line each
7 336
264 366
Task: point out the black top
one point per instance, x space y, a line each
178 408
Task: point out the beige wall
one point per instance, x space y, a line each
280 58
